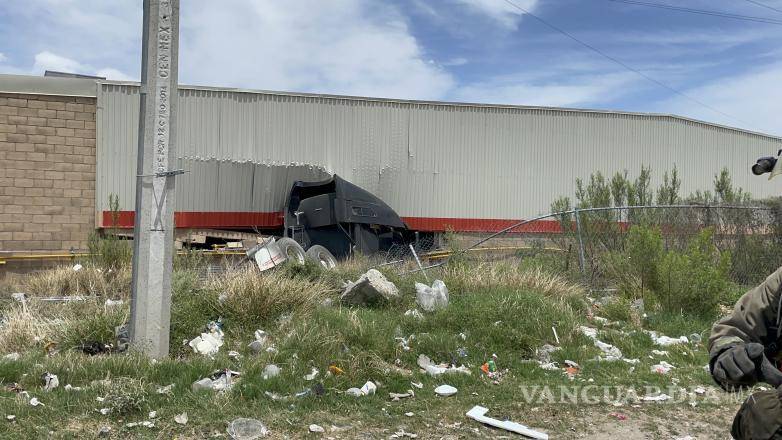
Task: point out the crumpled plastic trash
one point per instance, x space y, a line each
666 341
662 368
181 419
270 371
398 396
247 429
369 388
657 398
220 380
433 369
35 402
316 428
113 303
610 352
354 392
431 298
50 381
166 389
313 374
77 267
260 342
209 344
12 357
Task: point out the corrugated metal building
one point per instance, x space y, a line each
438 164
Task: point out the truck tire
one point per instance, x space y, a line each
322 256
292 250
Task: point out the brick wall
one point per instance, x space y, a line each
47 172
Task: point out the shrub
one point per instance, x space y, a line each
643 247
694 281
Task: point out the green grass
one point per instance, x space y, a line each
505 317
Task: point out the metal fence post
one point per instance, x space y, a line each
581 259
418 261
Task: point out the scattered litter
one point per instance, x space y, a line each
435 370
414 313
166 389
235 355
445 390
317 428
409 414
662 368
657 398
220 380
618 416
104 431
462 352
35 402
659 353
50 349
478 413
699 390
100 399
10 417
114 302
313 374
556 336
50 381
610 353
665 341
11 357
209 344
69 387
354 392
181 419
696 338
368 388
398 396
247 429
145 423
544 353
104 411
370 288
152 414
77 267
402 433
431 298
260 342
335 370
404 343
418 385
270 371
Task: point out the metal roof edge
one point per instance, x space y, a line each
50 85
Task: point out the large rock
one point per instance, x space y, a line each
371 288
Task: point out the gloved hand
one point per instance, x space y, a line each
738 366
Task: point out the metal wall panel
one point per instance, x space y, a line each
244 149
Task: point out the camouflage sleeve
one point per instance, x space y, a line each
754 318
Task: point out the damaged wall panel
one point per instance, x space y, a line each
429 161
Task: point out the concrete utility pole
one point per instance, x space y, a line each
153 244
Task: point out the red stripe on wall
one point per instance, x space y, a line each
239 220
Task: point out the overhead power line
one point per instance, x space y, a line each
763 5
625 65
702 12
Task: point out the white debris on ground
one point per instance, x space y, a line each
368 389
166 389
313 374
208 344
316 428
247 429
399 396
662 368
261 341
114 303
270 371
657 398
414 313
221 380
404 343
433 369
11 357
431 298
665 341
610 352
145 423
50 381
69 387
35 402
152 414
181 419
402 434
445 390
370 288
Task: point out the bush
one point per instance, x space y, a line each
109 252
644 247
694 281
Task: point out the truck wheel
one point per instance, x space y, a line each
292 250
322 256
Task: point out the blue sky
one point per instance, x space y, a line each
461 50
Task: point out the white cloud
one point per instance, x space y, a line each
49 61
584 90
500 10
2 57
344 47
753 99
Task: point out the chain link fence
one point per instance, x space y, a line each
593 245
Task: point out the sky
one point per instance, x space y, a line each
711 68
